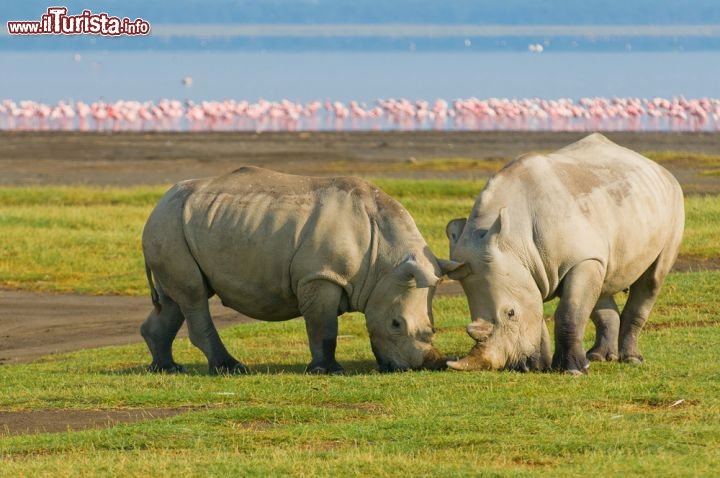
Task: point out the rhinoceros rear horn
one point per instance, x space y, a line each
480 330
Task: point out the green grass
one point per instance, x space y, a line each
468 166
702 227
700 160
659 419
707 164
87 240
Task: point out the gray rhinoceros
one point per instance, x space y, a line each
582 224
276 246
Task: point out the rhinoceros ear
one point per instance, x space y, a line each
414 272
454 229
500 226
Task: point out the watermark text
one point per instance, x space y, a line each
57 22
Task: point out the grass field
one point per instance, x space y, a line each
660 419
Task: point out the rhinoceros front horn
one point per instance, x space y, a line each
475 360
465 364
478 358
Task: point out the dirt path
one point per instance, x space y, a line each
33 324
165 158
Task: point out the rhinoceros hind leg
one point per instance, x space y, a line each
159 331
606 318
192 298
643 294
205 336
580 291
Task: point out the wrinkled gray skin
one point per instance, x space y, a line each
274 247
582 224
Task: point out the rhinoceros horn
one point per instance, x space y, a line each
480 330
477 359
484 357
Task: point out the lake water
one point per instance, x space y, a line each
344 76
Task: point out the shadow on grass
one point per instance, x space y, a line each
352 367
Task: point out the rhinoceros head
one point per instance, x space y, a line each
505 302
399 317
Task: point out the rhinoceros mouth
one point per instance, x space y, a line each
524 365
390 368
533 363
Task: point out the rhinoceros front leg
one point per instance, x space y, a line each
580 292
606 318
159 331
319 303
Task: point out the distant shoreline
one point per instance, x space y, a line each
408 30
365 37
430 31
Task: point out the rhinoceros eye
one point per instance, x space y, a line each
511 313
396 324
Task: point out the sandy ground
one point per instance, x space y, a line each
33 325
165 158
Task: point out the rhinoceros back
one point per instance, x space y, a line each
255 233
590 200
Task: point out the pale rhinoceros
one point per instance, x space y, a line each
276 246
582 224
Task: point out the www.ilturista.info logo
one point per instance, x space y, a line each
57 22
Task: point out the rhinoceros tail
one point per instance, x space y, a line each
154 296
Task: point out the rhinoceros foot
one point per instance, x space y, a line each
572 367
166 368
596 354
325 368
633 359
230 368
572 363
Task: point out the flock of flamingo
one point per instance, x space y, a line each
492 114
